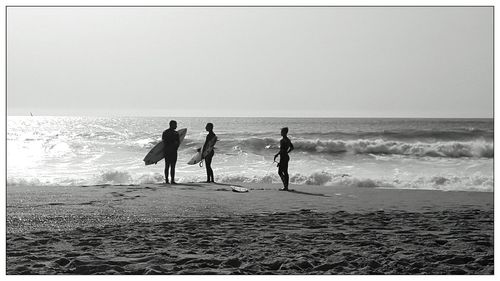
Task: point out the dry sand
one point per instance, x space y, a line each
207 229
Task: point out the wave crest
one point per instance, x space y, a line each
446 149
475 182
438 149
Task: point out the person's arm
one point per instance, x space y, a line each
177 141
276 155
291 147
206 143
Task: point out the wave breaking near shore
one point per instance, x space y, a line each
475 182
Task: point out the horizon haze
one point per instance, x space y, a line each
360 62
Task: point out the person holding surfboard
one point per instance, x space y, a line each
286 147
209 150
171 143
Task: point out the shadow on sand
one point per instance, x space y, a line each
210 183
205 184
192 184
307 193
227 184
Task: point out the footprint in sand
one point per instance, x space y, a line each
117 194
88 203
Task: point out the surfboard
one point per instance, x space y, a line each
196 158
200 155
156 153
209 147
239 189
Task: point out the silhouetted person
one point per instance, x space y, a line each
286 147
171 143
208 159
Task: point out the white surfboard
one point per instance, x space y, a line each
238 189
156 153
200 155
196 158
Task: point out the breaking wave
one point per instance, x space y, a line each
476 182
450 149
454 154
437 182
415 135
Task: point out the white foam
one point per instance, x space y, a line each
475 182
114 177
87 151
453 149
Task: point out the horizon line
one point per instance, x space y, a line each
289 117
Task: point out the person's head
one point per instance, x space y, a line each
173 124
209 127
284 131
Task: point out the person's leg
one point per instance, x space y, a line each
211 171
167 166
172 169
208 167
211 174
283 171
286 178
281 174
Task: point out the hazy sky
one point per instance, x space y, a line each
299 62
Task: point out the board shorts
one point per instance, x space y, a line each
210 154
171 157
283 164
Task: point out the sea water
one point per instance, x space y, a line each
443 154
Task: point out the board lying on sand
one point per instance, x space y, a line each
200 155
156 153
238 189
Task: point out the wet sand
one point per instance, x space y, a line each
199 228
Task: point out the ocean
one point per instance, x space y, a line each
437 154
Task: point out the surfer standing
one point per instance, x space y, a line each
209 142
286 147
171 143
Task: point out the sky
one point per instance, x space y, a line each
221 61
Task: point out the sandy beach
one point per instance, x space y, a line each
380 118
196 228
